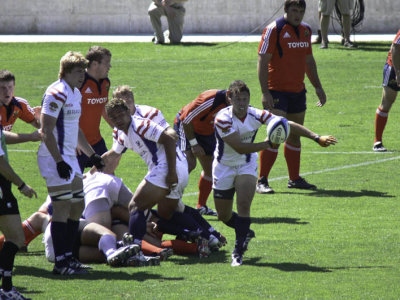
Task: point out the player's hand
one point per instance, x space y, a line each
36 136
64 170
271 145
97 161
197 150
327 140
321 96
28 191
37 110
171 179
267 101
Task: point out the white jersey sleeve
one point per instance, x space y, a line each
118 143
223 123
53 101
152 113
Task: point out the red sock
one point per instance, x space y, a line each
267 160
205 187
381 118
292 156
180 247
29 232
149 249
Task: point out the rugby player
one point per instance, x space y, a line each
284 57
61 110
15 107
235 161
10 219
167 167
195 126
94 90
391 85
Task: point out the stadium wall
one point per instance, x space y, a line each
202 16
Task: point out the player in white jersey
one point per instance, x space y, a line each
61 110
167 167
235 161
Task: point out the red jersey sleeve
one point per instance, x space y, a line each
27 113
268 40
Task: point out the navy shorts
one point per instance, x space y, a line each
84 162
8 203
291 103
389 78
207 142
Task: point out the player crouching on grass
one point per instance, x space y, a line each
235 161
167 167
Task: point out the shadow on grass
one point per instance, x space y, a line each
342 193
139 274
193 259
286 267
277 220
363 46
31 253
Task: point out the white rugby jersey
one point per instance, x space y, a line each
64 104
226 123
147 112
143 135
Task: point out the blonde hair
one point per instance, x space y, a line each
123 91
69 61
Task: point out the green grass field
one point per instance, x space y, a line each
338 242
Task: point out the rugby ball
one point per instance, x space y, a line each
278 130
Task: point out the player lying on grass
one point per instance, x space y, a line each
235 161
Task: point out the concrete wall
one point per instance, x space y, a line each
202 16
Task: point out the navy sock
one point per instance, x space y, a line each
137 226
70 239
242 227
7 256
232 221
58 234
194 213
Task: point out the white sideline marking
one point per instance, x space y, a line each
352 152
326 170
20 150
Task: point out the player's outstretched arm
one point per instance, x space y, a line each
16 138
323 141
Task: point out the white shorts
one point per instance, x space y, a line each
224 176
326 6
157 177
102 191
48 169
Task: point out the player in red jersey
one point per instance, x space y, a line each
284 57
195 127
94 92
15 107
391 85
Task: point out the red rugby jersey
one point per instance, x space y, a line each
202 110
94 98
18 108
287 66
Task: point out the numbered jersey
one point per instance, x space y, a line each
226 123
